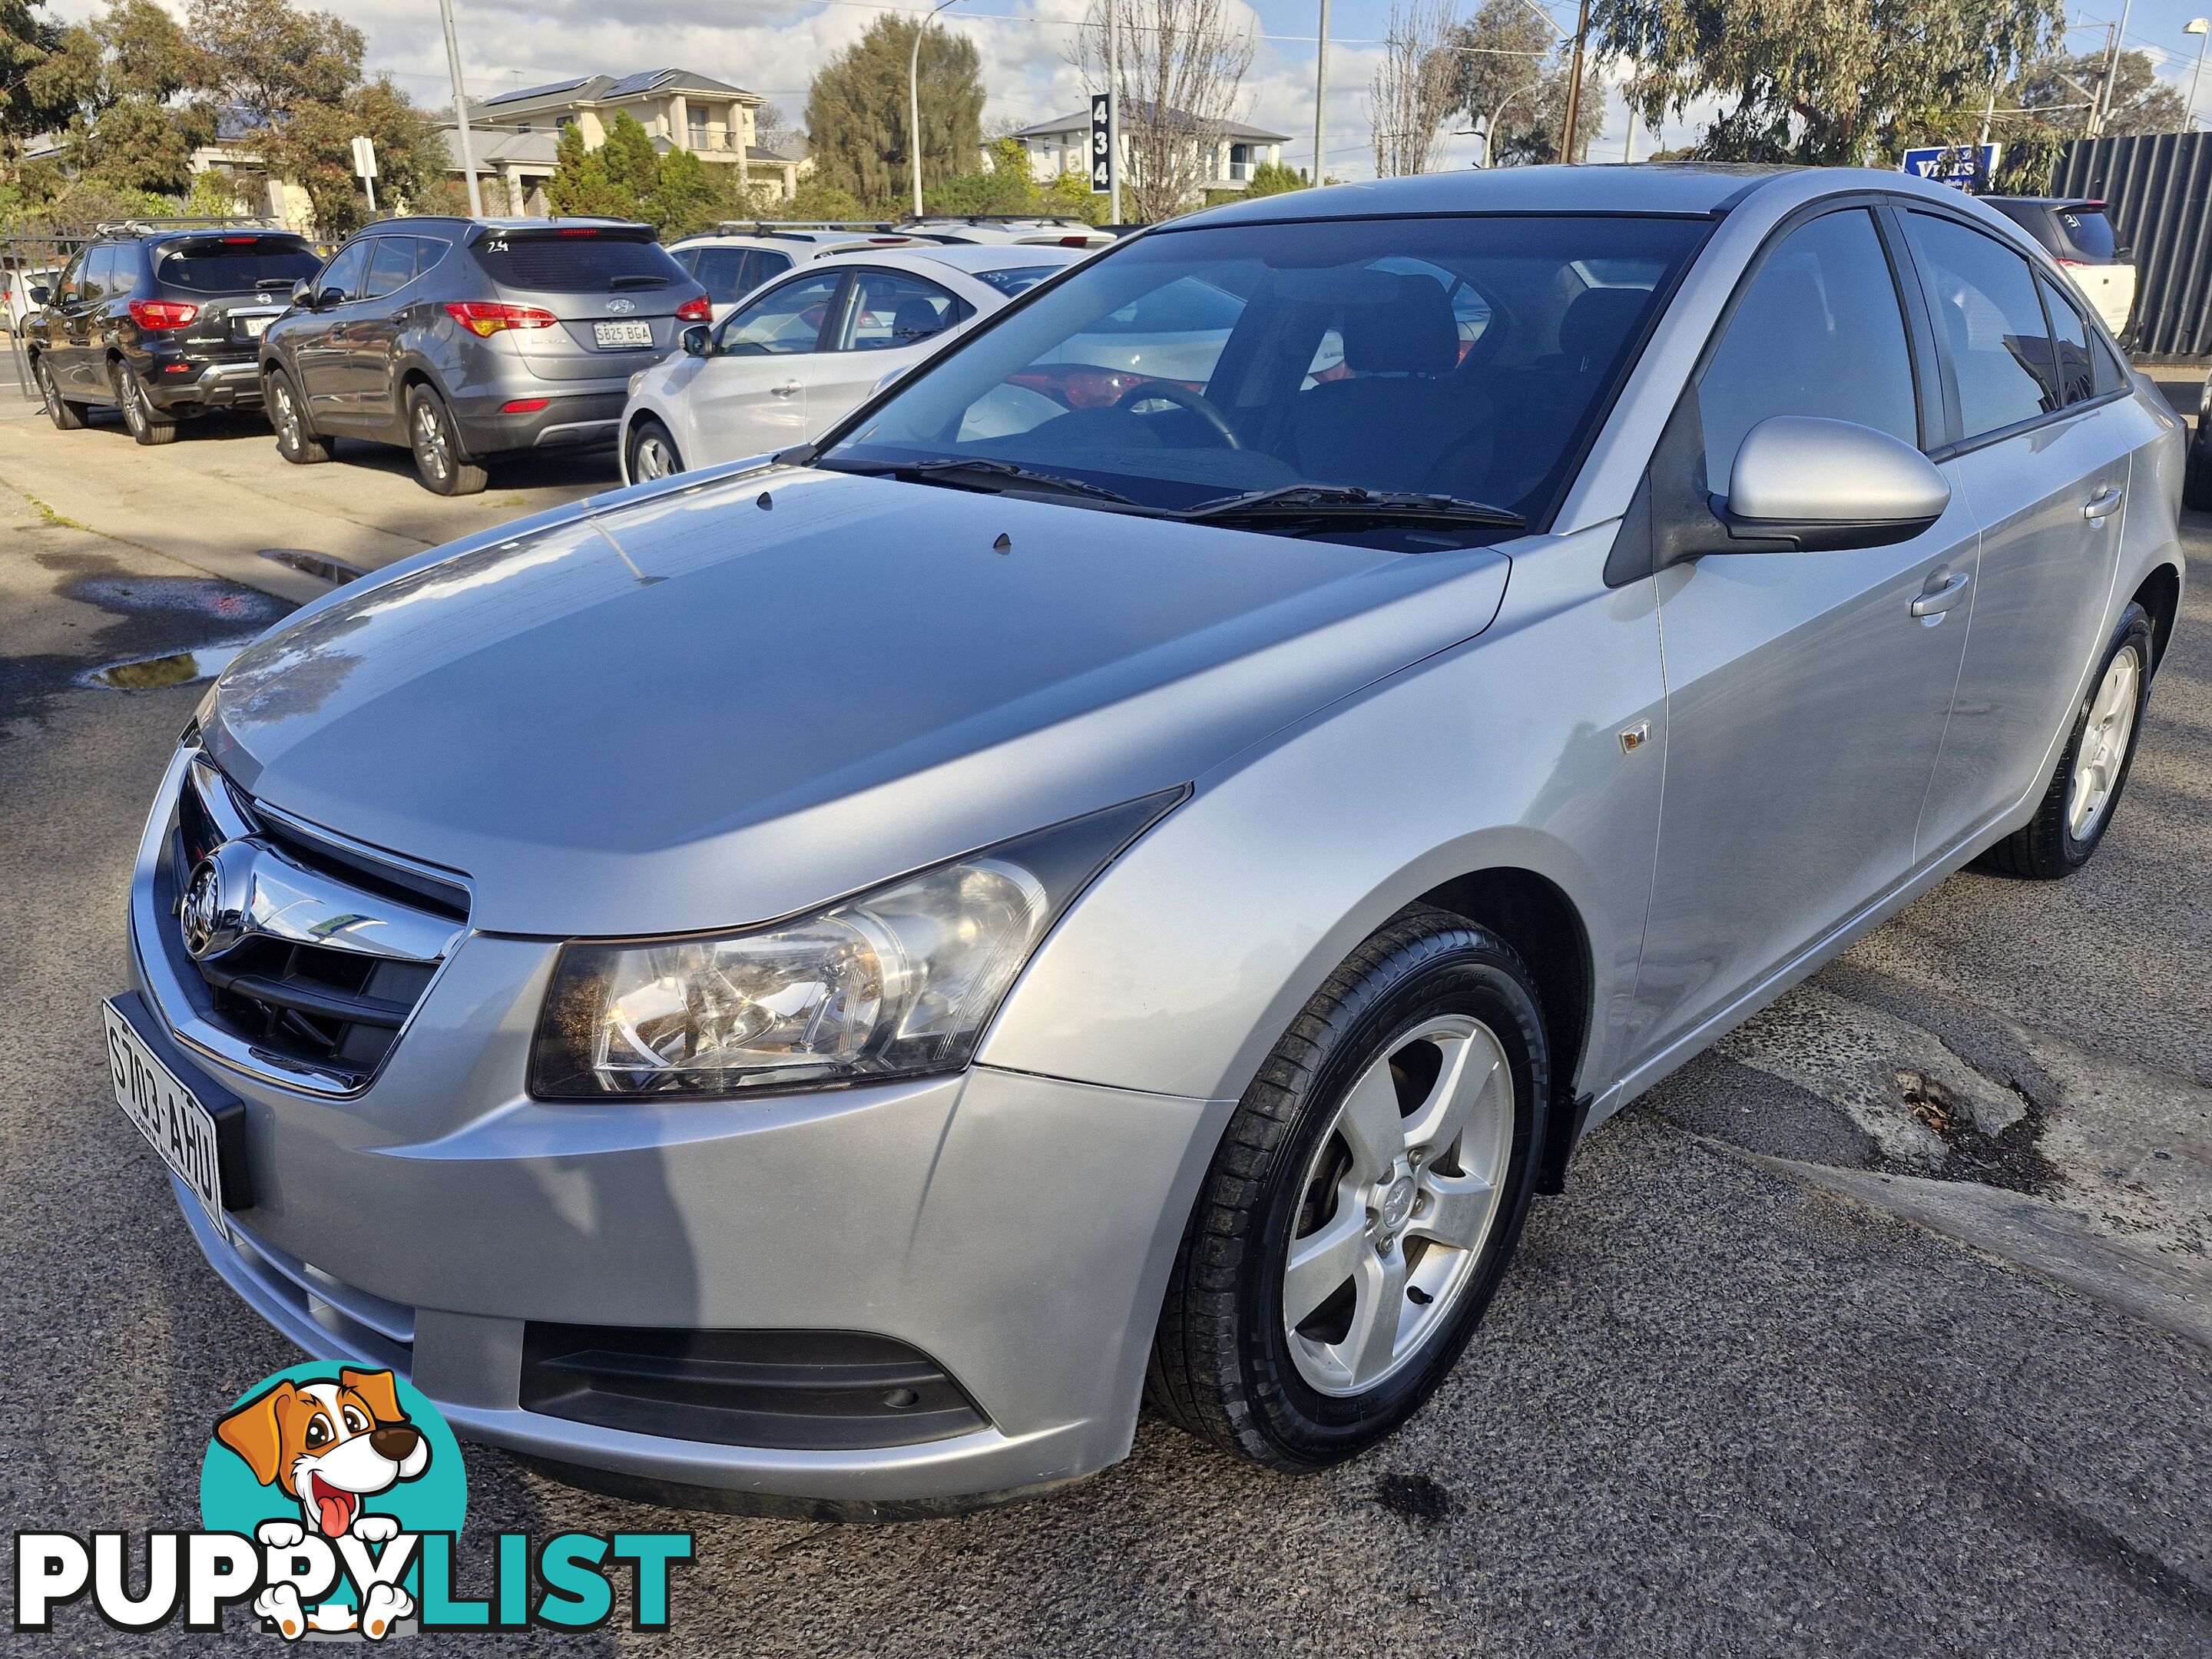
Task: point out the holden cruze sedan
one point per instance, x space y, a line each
822 986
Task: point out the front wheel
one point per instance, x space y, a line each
295 439
653 453
67 416
1364 1202
148 424
440 463
2085 791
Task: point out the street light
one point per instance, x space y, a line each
461 111
2201 26
913 102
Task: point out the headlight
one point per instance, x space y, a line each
896 981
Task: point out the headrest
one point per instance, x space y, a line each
1411 332
1597 322
914 318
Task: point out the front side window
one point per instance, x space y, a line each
343 277
890 311
1991 322
784 321
93 284
1819 331
1466 357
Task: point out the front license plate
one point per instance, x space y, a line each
167 1113
623 334
253 327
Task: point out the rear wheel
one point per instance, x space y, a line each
2085 791
440 461
653 453
68 416
1363 1204
295 439
148 424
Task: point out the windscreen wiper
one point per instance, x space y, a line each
1339 504
642 279
952 469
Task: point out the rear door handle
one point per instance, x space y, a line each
788 389
2102 503
1935 598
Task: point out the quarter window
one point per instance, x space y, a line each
1991 322
1819 331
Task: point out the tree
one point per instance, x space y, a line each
269 59
1411 95
1272 179
313 149
26 105
1182 63
1823 82
1512 85
857 111
120 76
582 183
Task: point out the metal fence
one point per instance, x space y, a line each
28 254
2158 190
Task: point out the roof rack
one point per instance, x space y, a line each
206 222
770 226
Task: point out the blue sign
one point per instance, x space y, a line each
1963 167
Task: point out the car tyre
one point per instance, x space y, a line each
69 417
296 440
440 463
2077 808
2197 479
651 453
148 425
1431 1014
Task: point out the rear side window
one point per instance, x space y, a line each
890 311
391 267
235 264
576 265
2091 233
726 272
1991 321
1819 331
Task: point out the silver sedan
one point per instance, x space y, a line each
822 984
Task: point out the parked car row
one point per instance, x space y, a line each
468 341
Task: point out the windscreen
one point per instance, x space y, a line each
1463 357
236 264
577 263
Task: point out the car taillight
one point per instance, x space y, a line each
486 318
2073 261
155 315
696 309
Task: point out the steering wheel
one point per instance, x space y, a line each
1184 396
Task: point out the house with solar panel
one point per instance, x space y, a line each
514 133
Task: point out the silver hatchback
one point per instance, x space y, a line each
821 985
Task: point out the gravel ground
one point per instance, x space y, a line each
1717 1409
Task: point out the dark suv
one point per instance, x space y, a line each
467 339
161 321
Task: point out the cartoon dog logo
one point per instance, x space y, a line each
329 1445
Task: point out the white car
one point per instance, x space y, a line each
1002 230
730 265
16 301
801 353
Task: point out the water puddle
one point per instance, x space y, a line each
320 565
177 668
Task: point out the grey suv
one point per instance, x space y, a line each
468 339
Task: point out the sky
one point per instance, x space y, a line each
773 47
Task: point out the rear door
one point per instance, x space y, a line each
1805 697
749 396
892 320
2041 451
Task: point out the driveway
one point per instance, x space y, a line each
1881 1330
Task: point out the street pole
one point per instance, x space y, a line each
1320 90
1575 87
1114 111
369 184
2202 28
461 111
913 102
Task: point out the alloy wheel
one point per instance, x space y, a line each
47 391
1397 1204
284 416
2103 751
132 397
433 450
653 457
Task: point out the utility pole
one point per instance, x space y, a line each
913 102
461 111
1114 111
1575 87
1321 89
2202 28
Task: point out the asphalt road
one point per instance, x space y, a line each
1728 1403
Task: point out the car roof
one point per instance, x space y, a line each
784 239
977 258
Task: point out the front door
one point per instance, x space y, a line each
81 375
2047 433
749 396
368 341
1805 697
318 342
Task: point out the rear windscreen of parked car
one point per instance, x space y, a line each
577 264
236 264
2090 232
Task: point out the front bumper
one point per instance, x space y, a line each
1017 1230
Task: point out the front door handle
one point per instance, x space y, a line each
2099 505
788 389
1941 593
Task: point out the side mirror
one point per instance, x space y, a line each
1813 485
303 295
697 341
41 293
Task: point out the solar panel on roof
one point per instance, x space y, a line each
644 80
538 92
